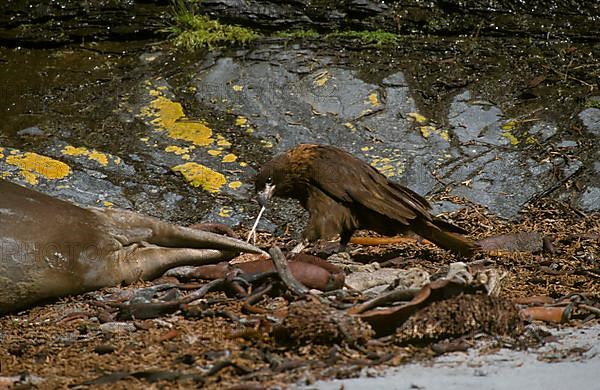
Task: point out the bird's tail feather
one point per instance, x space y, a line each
448 240
447 226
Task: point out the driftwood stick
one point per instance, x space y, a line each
284 272
589 308
400 294
142 311
202 291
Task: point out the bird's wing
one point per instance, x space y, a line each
351 180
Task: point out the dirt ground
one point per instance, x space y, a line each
221 343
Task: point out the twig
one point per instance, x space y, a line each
208 287
252 233
142 311
250 300
589 308
401 294
284 272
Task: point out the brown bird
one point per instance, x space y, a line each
343 194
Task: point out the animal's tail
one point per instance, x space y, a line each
451 241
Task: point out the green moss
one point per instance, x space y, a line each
376 37
192 31
592 103
301 34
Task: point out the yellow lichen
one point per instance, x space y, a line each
444 134
169 117
200 176
241 121
180 151
215 152
388 166
387 170
351 126
418 117
373 99
321 78
509 125
243 164
107 203
235 184
237 88
229 158
225 211
510 136
426 131
33 165
266 144
221 141
95 155
380 160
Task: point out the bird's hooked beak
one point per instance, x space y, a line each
266 194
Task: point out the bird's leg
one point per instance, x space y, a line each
344 240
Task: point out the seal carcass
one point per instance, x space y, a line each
51 248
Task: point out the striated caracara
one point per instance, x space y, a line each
343 194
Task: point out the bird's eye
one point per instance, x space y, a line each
269 180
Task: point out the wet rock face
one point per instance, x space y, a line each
293 95
591 120
136 129
328 15
445 17
277 95
320 103
50 23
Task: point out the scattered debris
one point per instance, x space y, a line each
258 321
311 322
459 316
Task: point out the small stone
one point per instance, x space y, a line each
591 120
590 199
33 131
117 327
102 349
567 144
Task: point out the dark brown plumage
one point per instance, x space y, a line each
343 194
